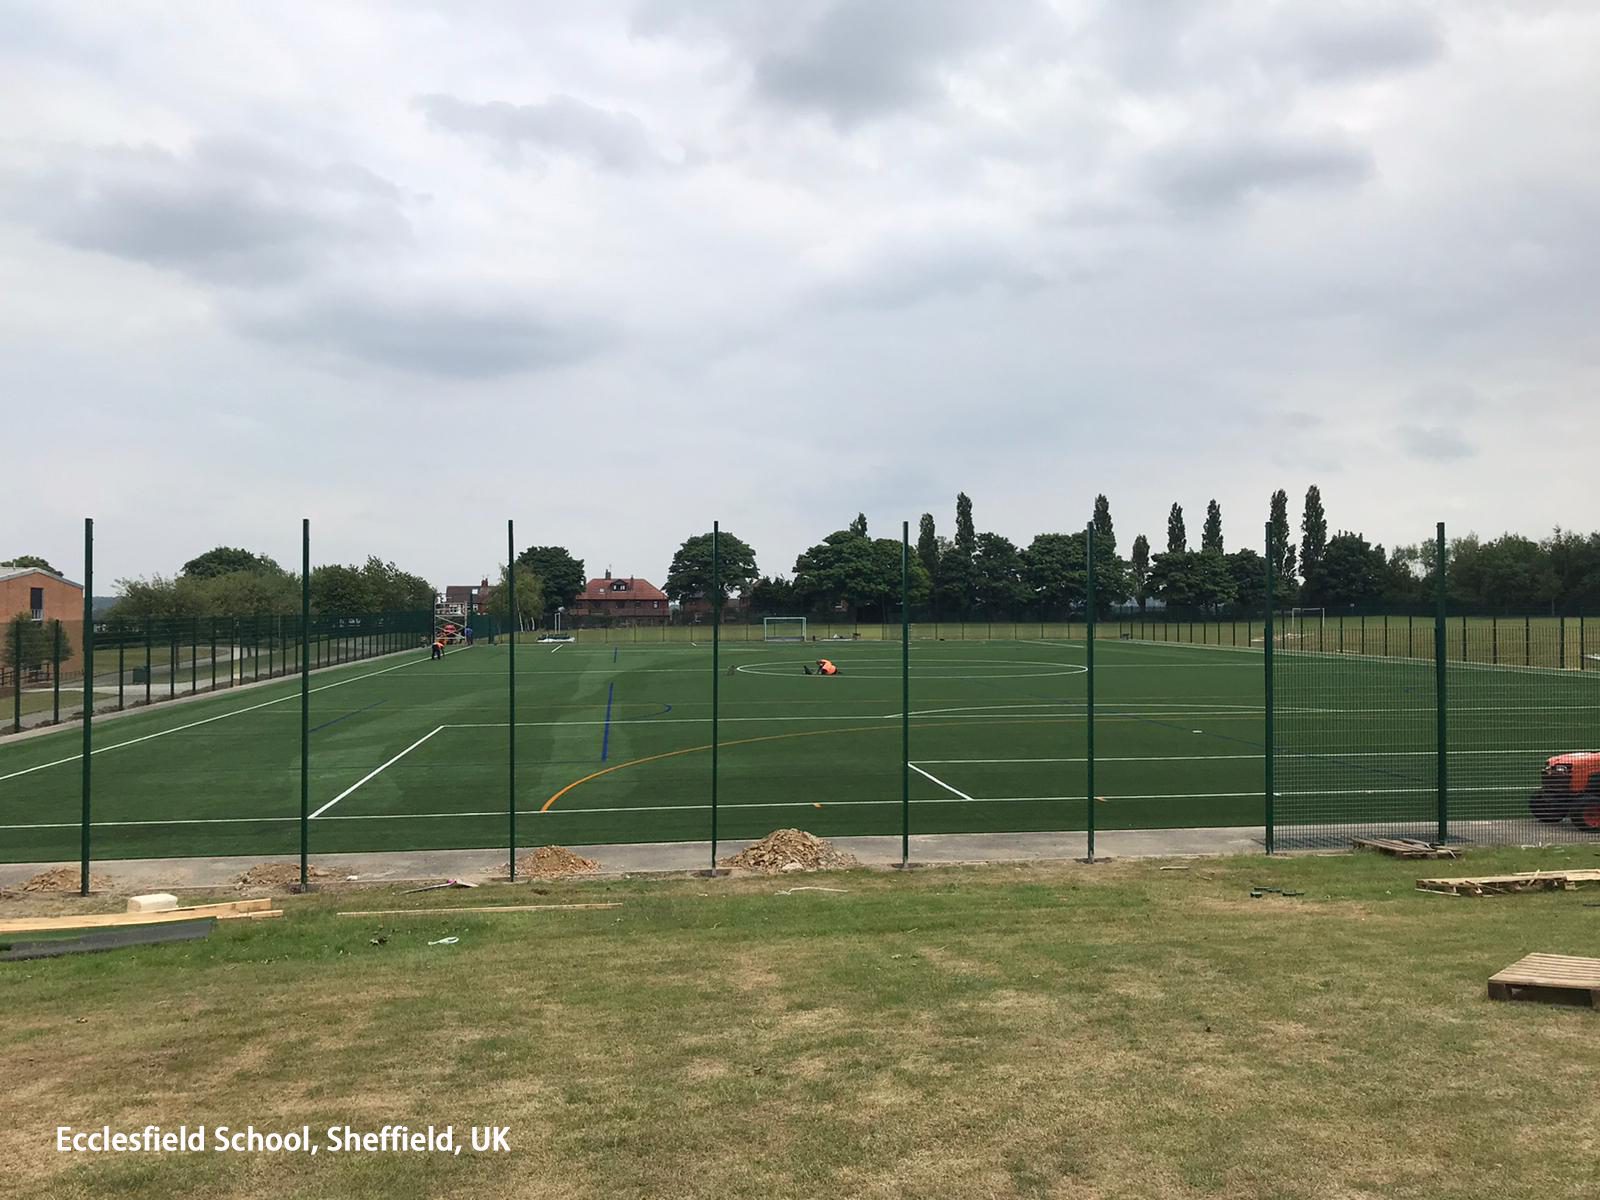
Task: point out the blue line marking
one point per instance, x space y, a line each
605 738
346 716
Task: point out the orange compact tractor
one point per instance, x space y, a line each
1569 786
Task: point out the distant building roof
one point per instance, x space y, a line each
18 572
620 588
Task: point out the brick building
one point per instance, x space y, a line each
43 595
629 601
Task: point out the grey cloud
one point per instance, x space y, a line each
1434 443
427 333
228 210
616 141
851 60
1211 174
1338 41
903 273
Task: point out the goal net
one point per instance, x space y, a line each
783 629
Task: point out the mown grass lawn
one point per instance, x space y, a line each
1052 1030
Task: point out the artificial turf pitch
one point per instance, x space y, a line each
613 745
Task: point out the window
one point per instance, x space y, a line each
36 602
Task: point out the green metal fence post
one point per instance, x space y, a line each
1440 672
212 624
16 675
1088 726
305 702
511 695
1561 642
55 676
905 693
88 709
147 660
716 647
1269 758
194 655
121 640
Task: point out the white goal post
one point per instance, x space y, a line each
783 629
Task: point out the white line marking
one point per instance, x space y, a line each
572 812
940 782
219 717
557 647
374 774
945 762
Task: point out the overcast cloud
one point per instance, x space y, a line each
616 269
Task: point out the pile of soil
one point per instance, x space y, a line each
554 862
278 875
65 879
791 850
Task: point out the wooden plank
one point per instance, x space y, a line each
230 909
1493 885
475 908
1402 847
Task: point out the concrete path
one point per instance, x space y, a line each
135 875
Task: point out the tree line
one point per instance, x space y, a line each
228 581
986 576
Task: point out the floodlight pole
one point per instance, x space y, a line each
1270 765
511 699
1088 658
1440 673
905 693
88 694
305 701
716 673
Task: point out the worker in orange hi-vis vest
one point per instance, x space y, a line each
824 667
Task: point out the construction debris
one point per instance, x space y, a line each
278 875
1403 847
554 862
65 879
231 910
1501 885
153 902
791 850
434 887
110 939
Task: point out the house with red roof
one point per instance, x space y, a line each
621 601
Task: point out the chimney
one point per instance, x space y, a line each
608 572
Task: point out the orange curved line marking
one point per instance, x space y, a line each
634 762
775 737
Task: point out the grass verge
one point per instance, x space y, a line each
1057 1030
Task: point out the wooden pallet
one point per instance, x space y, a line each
1403 847
1550 979
1500 885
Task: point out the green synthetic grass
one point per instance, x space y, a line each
613 745
1114 1031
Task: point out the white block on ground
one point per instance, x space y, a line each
154 902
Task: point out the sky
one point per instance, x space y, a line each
616 269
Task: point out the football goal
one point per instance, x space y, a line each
783 629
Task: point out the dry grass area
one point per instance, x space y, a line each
1050 1031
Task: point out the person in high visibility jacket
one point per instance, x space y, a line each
824 667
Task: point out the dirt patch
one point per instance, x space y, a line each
64 879
791 850
278 875
554 862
